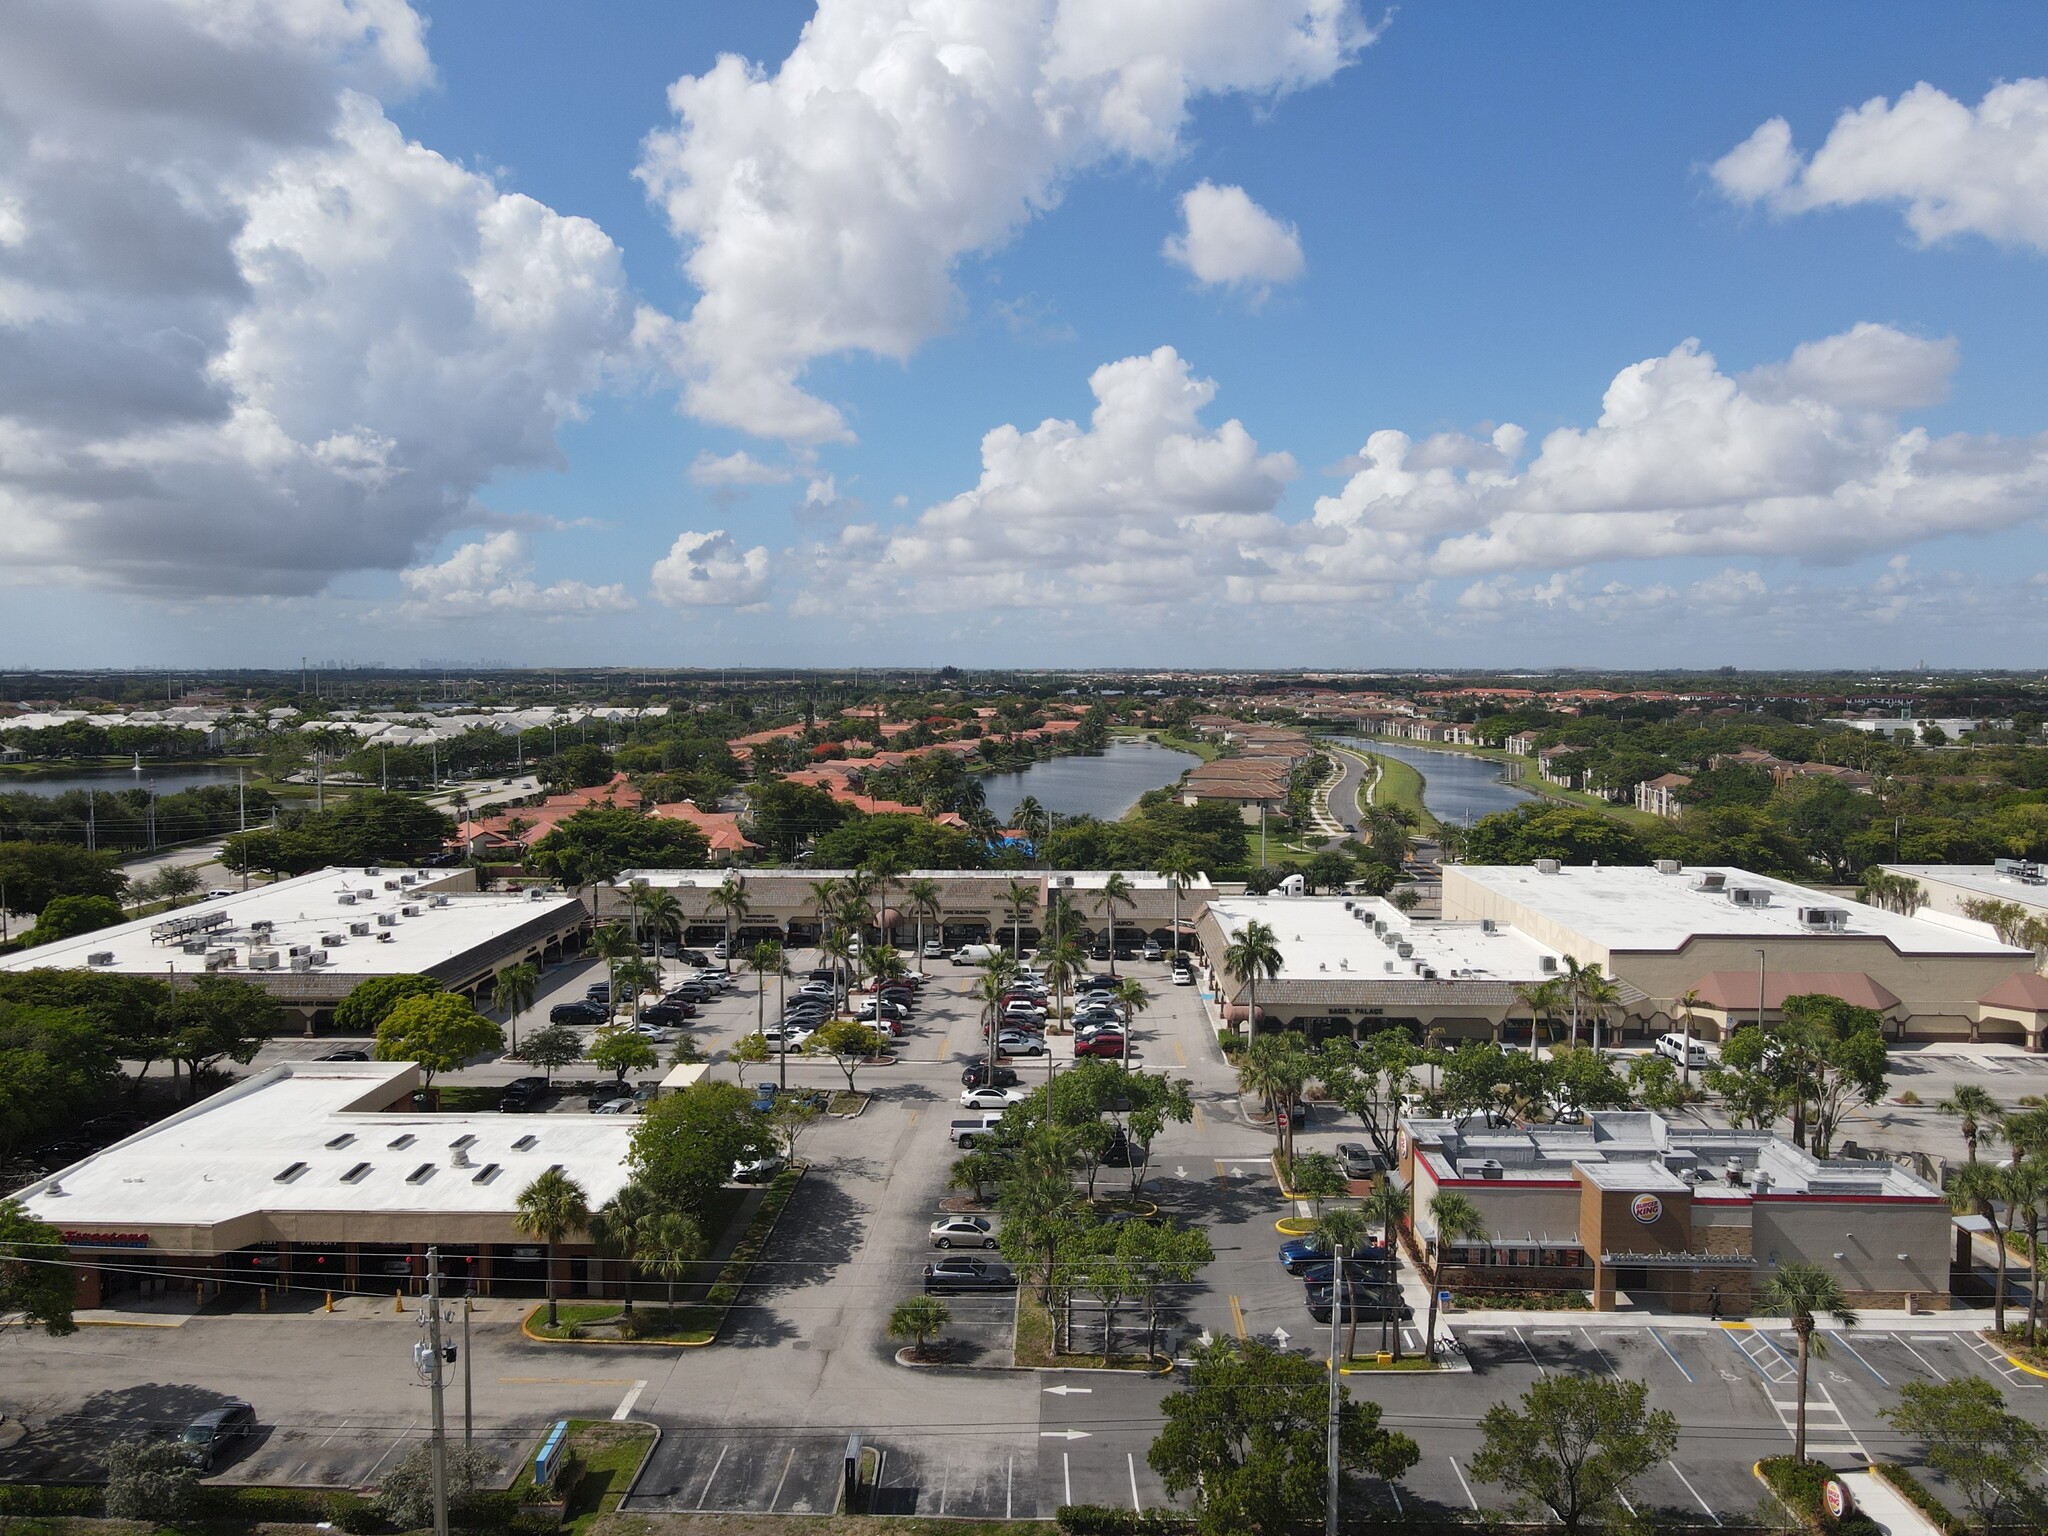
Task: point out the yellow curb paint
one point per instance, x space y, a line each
2021 1365
1237 1317
119 1322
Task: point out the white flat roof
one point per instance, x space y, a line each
308 910
1981 880
1323 938
222 1158
1634 907
1076 879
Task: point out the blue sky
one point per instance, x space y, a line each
422 368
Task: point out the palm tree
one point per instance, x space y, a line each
1457 1222
660 914
1030 819
636 975
886 870
2027 1180
836 945
1343 1230
1019 899
925 897
732 903
514 990
1386 1206
670 1245
1601 994
614 947
1798 1290
550 1208
764 960
1542 999
1135 999
1978 1111
1574 984
617 1226
1277 1068
1688 1001
1253 952
1982 1186
1180 866
1116 892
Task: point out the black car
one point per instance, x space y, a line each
1123 1152
966 1275
585 1012
345 1056
695 957
522 1094
1368 1303
667 1013
1363 1269
216 1432
599 992
977 1076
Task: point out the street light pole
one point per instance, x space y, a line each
1333 1492
1759 991
467 1381
439 1444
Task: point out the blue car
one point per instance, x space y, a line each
764 1097
1298 1253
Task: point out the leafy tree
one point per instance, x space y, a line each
1544 830
1575 1447
685 1146
65 917
1039 1202
36 1281
1579 1080
440 1033
1247 1436
55 1064
1369 1079
1481 1078
850 1045
550 1208
598 842
1798 1290
1985 1452
787 816
153 1481
918 1319
37 873
582 766
1654 1083
1316 1177
172 883
368 1002
914 842
216 1018
555 1046
406 1501
1277 1067
751 1051
1832 1055
619 1051
789 1120
369 828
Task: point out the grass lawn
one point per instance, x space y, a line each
606 1457
1401 785
698 1323
468 1097
1034 1341
848 1104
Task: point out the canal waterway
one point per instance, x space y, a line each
1103 786
167 779
1457 787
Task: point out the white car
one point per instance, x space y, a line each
1183 978
1016 1042
991 1098
756 1169
655 1034
963 1232
789 1037
616 1107
934 950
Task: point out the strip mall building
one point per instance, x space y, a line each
1636 1208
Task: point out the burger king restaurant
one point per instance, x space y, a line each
1635 1210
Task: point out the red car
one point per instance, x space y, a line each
1107 1043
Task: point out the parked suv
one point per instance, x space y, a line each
216 1432
522 1094
583 1012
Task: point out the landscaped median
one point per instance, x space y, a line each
688 1326
603 1459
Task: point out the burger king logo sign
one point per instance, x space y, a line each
1646 1209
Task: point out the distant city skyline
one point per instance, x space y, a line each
1022 333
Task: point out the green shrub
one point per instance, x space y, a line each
1917 1494
1113 1520
150 1480
50 1499
1799 1485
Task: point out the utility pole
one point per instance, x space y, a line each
241 800
434 1362
467 1382
1332 1492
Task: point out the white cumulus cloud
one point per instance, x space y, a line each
254 336
1955 169
1144 505
710 570
1227 240
736 469
822 205
495 576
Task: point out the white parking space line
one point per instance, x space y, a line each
1067 1475
1131 1461
704 1497
317 1445
1010 1490
1604 1360
626 1403
1462 1483
396 1444
1695 1493
789 1461
1843 1340
1667 1350
1903 1343
1529 1350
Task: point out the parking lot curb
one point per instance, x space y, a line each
2010 1359
121 1322
641 1470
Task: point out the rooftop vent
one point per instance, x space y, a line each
341 1141
1711 880
409 910
390 885
526 1144
1548 867
1548 965
1488 925
485 1174
1752 896
437 901
1669 866
387 919
1404 949
421 1174
302 962
373 869
289 1173
299 949
356 1174
464 1140
100 957
398 1143
1824 919
333 940
359 930
460 1159
347 898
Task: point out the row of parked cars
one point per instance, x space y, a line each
887 1006
658 1020
1101 1022
1372 1291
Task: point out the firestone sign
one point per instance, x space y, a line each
106 1239
1646 1209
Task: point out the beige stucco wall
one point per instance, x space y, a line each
1869 1236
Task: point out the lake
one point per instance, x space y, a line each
1457 787
1103 787
168 778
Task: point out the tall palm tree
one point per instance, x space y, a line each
1542 999
1343 1229
1135 999
614 946
550 1208
1688 1003
1457 1222
617 1226
1798 1290
2027 1182
925 899
1030 819
514 990
1116 891
1253 951
1978 1111
1575 980
1385 1207
1020 897
1180 866
660 914
1602 994
764 960
1982 1187
1063 962
636 974
836 945
733 904
1277 1068
670 1245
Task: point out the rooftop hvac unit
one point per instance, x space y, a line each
536 894
1547 866
262 959
1668 866
360 930
1712 880
373 869
1488 925
1067 881
1762 1182
1548 965
407 879
1404 949
390 885
1482 1168
437 901
300 951
194 946
1390 966
100 957
1419 968
318 957
220 962
302 962
347 898
332 940
1749 896
408 910
262 925
1824 919
1429 973
387 919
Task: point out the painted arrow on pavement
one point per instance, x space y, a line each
1280 1337
1063 1391
1064 1434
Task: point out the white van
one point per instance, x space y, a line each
1678 1046
974 954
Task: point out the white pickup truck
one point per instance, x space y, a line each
964 1131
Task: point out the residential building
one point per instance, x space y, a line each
1659 796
